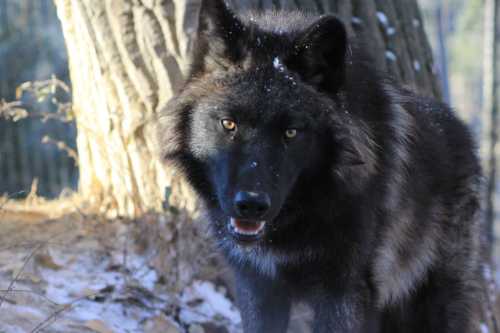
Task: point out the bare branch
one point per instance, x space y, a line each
21 270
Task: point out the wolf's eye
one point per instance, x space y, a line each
290 133
228 124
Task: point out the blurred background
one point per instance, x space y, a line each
32 49
455 30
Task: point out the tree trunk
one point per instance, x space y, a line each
442 51
489 135
127 58
490 108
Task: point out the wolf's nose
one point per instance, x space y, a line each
251 205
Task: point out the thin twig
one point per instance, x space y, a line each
21 270
30 244
62 146
53 317
22 291
23 267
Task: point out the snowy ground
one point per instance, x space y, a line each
77 274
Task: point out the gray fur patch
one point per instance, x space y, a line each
404 256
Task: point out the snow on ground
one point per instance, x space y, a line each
213 303
72 275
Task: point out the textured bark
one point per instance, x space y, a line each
128 57
126 60
489 134
491 103
441 20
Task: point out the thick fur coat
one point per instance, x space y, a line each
323 181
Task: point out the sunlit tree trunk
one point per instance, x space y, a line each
127 58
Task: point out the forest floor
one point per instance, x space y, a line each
64 270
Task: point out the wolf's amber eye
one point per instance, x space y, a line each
291 133
228 124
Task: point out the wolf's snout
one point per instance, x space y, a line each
251 205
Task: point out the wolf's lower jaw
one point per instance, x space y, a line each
247 227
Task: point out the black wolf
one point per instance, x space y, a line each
323 181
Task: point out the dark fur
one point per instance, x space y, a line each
374 203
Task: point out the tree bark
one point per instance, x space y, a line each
491 103
489 136
128 57
441 17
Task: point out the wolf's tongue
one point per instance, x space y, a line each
247 227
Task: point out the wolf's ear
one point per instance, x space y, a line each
220 31
320 53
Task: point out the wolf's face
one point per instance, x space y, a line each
260 113
255 137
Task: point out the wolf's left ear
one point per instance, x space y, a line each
220 31
320 54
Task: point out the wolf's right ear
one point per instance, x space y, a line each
220 33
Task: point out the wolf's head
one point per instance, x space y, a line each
262 115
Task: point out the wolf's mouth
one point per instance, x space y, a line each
246 230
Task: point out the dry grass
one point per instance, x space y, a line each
35 208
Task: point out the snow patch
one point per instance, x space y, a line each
416 65
356 20
203 303
382 18
389 55
487 272
278 65
484 328
124 317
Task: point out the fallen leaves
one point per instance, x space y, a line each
45 260
98 326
